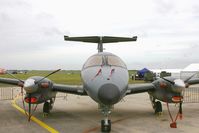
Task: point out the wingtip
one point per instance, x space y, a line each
65 37
135 38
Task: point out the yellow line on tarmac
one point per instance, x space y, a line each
40 123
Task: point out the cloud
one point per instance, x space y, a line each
167 31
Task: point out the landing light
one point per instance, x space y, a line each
31 100
177 99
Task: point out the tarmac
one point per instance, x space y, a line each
80 114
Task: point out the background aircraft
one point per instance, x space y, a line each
105 79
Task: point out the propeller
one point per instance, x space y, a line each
3 71
30 85
14 77
37 82
29 107
179 86
172 82
186 80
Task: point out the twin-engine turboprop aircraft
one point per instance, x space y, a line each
105 79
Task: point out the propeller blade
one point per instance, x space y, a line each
47 76
169 81
186 80
3 71
180 110
29 107
15 77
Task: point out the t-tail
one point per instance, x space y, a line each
100 40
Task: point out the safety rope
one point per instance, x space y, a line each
179 114
173 124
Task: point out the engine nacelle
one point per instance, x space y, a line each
38 90
167 91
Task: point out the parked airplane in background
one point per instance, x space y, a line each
105 79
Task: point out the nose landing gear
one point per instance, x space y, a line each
106 126
105 123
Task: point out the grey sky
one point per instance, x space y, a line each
31 32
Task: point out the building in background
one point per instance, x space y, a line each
190 70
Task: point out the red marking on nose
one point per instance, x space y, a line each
99 71
112 71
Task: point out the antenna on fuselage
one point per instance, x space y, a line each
100 40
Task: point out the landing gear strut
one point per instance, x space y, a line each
105 123
47 107
157 106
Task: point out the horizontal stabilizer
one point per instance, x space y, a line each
100 39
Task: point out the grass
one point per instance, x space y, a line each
71 77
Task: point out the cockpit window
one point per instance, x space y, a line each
104 60
115 61
93 61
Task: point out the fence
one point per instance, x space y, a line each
8 93
191 94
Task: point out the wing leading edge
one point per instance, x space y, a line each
72 89
10 81
139 88
193 81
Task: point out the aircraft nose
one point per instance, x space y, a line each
109 94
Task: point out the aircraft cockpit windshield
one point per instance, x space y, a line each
93 61
115 61
104 60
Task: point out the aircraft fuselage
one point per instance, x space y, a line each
105 78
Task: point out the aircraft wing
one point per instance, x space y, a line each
140 88
193 81
72 89
10 81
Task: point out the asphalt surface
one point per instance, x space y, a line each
76 114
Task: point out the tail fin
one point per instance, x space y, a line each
100 40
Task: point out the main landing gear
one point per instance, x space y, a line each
47 107
157 106
105 123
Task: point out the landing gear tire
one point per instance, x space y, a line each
46 109
158 107
105 128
